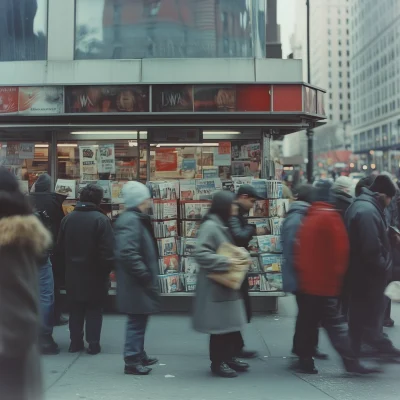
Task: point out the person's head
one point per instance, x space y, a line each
223 205
365 182
385 187
12 200
43 183
136 195
322 191
92 193
304 193
246 197
344 184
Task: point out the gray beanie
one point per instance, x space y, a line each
135 193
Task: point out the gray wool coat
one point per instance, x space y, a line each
136 260
217 309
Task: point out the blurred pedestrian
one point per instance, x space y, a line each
23 240
342 194
218 310
365 182
137 271
321 252
242 233
48 208
286 191
370 265
86 246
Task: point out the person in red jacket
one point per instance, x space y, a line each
321 261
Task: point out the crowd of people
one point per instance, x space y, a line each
339 255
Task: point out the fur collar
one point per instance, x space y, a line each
25 231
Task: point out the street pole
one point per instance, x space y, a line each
310 133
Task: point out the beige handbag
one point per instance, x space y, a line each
240 263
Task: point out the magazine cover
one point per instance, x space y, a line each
165 229
276 225
275 190
187 189
282 207
254 282
207 187
167 246
170 283
228 185
66 187
261 187
168 191
262 225
241 180
268 243
255 265
253 246
187 246
165 209
274 282
116 192
190 282
190 228
260 209
271 262
189 265
169 264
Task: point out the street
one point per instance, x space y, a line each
183 370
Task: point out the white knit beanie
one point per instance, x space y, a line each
135 193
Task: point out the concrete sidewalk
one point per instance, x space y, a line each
183 372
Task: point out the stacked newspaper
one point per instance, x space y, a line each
165 229
190 228
186 246
167 246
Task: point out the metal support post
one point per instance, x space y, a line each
310 133
266 171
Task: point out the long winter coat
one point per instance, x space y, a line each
136 264
290 228
86 246
370 256
217 309
23 239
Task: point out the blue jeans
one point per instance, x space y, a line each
46 286
134 343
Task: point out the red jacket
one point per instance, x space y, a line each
321 251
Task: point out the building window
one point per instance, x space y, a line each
330 106
330 116
330 96
340 74
341 106
341 117
340 53
340 96
340 63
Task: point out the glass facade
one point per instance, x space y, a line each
23 30
134 29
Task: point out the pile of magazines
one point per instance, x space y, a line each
167 246
165 229
194 209
165 209
190 228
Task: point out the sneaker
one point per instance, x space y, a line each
353 366
388 323
76 347
138 369
223 370
149 361
320 356
48 346
94 348
247 354
238 365
306 366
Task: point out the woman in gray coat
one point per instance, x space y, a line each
23 241
218 310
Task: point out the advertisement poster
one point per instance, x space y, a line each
106 159
8 100
27 150
210 173
222 154
66 187
106 99
106 185
172 98
12 149
166 160
41 100
215 98
88 163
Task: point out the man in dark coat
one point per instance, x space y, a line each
370 266
44 199
242 233
49 206
86 244
137 274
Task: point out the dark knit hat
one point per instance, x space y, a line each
323 191
383 184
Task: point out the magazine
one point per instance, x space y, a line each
170 283
190 228
187 189
274 282
276 225
66 187
228 185
165 209
164 190
165 229
262 226
169 264
189 265
255 265
275 190
206 188
271 262
261 187
194 209
167 246
260 209
116 192
269 244
241 180
279 208
187 246
254 282
253 246
190 281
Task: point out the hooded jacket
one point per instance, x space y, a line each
342 201
23 239
290 228
370 256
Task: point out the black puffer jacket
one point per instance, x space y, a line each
370 250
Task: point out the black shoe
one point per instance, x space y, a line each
247 354
48 346
307 366
62 321
320 356
149 361
94 348
388 323
76 347
138 369
238 365
390 352
353 366
223 370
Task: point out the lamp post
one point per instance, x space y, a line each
310 133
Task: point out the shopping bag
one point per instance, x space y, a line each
240 263
393 291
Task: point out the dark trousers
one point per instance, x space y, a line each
366 315
46 285
12 378
224 347
134 342
316 311
92 314
388 310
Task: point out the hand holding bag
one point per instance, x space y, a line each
240 263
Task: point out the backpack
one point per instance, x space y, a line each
44 219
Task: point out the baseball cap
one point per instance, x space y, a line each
249 191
